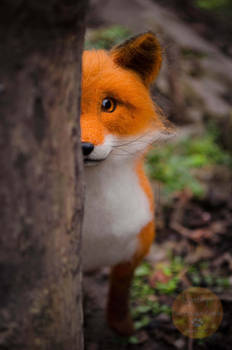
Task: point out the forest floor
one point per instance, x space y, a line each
198 232
193 245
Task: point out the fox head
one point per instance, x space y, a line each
119 118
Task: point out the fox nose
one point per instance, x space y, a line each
87 148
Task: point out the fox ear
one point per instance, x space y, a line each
142 54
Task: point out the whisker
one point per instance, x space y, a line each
138 141
124 152
132 141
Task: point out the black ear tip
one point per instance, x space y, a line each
150 42
147 41
141 53
151 38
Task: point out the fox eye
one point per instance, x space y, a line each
108 105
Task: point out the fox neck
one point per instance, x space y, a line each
112 175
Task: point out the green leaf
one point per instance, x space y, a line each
133 340
142 270
143 322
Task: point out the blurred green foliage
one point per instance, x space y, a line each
214 4
105 38
142 294
222 8
174 164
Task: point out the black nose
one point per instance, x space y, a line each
87 148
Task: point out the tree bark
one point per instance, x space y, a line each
41 181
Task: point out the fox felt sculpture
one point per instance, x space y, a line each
118 123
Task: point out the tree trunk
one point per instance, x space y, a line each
41 186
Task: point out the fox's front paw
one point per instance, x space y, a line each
123 326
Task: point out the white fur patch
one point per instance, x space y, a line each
116 209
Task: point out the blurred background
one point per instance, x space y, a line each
191 174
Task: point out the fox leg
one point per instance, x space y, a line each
118 306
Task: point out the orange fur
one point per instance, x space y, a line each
92 129
144 182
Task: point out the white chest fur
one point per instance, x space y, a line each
116 209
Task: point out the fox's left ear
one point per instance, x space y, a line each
141 54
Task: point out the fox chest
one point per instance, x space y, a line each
116 209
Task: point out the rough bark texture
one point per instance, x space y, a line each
41 191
